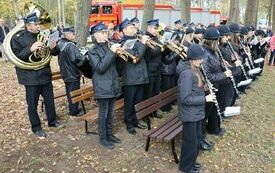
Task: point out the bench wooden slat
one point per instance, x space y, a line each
119 104
162 124
161 129
90 116
59 93
169 130
154 99
84 96
82 90
145 112
173 134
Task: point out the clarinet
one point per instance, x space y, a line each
250 63
225 63
236 57
212 90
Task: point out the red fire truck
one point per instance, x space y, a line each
115 12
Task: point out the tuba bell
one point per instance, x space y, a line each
34 63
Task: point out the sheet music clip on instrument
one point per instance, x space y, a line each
232 111
259 60
244 83
254 71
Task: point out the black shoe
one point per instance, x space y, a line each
221 132
205 140
106 144
57 125
131 131
41 134
194 170
204 146
113 139
141 126
197 166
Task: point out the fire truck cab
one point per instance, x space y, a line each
115 12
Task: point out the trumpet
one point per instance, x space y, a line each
151 43
126 56
178 49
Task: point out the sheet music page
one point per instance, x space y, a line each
129 44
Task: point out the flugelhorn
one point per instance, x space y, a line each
126 56
151 43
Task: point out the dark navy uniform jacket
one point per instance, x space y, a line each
105 76
68 59
21 44
190 97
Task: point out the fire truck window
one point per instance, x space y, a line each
107 9
94 9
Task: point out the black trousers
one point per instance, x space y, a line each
32 97
133 94
153 88
272 58
214 125
191 137
105 117
71 86
167 82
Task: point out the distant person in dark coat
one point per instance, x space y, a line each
191 104
3 32
69 59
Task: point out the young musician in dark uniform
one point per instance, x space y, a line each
178 31
153 57
227 91
105 83
134 75
188 38
36 82
216 76
198 36
69 59
191 104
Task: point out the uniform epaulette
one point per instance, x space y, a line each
19 33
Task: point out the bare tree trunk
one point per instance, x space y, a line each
251 12
148 14
82 21
269 13
273 17
15 8
63 4
185 10
234 11
59 12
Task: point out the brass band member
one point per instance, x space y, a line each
105 83
154 58
135 76
36 82
188 38
68 59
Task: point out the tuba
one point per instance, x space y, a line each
39 58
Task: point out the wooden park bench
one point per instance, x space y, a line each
86 93
57 93
168 130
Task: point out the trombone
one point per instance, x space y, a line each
126 56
